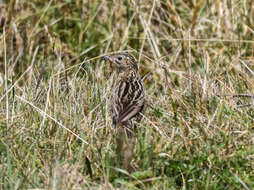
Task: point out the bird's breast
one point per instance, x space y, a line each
128 91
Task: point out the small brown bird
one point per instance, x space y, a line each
128 96
127 104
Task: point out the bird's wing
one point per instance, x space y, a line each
131 110
128 101
133 102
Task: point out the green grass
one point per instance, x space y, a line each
55 128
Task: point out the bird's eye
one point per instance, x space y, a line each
119 58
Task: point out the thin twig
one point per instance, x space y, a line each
246 66
236 95
40 77
244 105
197 40
6 79
50 117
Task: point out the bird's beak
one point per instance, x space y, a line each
107 58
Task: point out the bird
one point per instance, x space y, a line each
128 94
127 103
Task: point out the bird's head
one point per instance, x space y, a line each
124 62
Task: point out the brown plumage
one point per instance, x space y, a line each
127 104
128 95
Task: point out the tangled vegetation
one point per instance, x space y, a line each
196 58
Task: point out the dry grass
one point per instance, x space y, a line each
196 57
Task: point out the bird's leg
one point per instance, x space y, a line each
128 153
125 145
119 143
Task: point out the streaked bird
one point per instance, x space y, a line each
127 104
128 95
